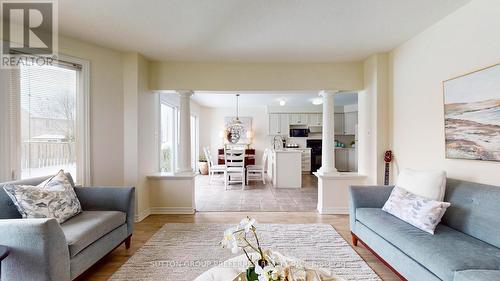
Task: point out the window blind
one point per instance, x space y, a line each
43 120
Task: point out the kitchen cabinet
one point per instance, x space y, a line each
284 124
298 118
305 158
352 160
339 123
278 124
287 169
315 119
341 160
346 160
274 124
350 122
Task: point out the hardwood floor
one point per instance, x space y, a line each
146 228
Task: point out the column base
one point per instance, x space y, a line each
333 191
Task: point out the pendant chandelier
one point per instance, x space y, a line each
235 129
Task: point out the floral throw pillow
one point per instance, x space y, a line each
418 211
53 198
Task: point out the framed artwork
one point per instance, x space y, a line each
247 127
472 115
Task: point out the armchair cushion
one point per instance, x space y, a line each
109 199
88 226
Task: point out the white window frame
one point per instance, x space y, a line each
196 152
174 133
11 168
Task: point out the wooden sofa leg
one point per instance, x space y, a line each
127 242
354 239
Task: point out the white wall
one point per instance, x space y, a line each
464 41
212 122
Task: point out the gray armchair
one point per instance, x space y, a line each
43 249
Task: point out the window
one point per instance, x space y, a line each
48 112
167 136
194 142
48 120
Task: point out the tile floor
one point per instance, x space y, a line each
256 197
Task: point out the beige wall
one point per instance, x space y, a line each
106 95
140 129
256 76
373 129
462 42
214 118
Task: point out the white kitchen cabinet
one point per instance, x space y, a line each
298 118
341 160
315 119
284 124
274 124
352 159
350 122
278 124
287 166
339 123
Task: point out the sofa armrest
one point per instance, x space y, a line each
109 199
38 250
366 197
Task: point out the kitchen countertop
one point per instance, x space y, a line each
285 151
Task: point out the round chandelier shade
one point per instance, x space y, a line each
235 129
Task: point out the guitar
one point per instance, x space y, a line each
387 160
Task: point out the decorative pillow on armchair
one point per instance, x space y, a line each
53 198
416 210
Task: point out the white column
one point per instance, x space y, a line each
327 152
184 155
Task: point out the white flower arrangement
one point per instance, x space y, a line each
238 238
268 265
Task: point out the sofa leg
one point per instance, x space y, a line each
127 242
354 239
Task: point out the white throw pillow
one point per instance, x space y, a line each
53 198
430 184
415 210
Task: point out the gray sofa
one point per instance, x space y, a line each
465 245
44 250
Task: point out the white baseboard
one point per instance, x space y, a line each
333 211
172 210
142 215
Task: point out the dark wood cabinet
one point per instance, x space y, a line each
249 157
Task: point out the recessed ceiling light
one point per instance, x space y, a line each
282 102
317 101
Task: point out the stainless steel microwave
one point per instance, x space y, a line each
299 133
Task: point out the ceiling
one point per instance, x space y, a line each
252 99
251 30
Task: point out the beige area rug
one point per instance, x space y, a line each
184 251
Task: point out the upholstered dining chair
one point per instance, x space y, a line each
258 172
213 168
235 163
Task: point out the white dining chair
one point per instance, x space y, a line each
258 172
214 169
235 163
